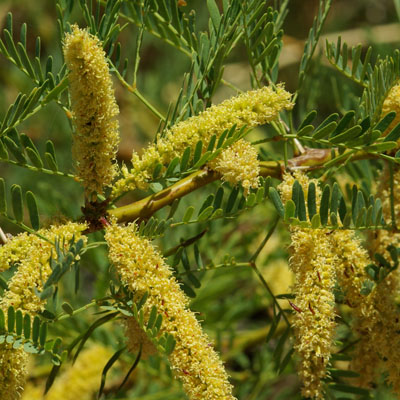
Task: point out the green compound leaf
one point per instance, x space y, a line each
16 201
35 329
336 195
152 317
34 157
324 208
290 210
383 124
276 201
394 134
3 151
188 214
33 210
311 200
14 149
10 319
18 322
27 326
2 321
316 221
308 119
170 344
325 131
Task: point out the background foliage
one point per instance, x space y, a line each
244 311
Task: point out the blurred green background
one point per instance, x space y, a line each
234 306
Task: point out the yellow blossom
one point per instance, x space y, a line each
352 260
238 164
142 269
32 392
379 328
392 103
82 380
12 372
34 267
32 255
94 110
249 109
313 263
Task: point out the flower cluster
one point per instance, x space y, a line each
313 263
318 258
142 269
31 253
94 110
238 163
379 326
249 109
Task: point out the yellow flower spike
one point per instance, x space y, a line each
82 380
94 109
32 255
381 329
142 269
313 262
12 372
353 259
238 164
252 108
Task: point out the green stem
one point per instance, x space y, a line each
149 205
265 284
136 92
148 105
77 311
146 207
264 242
211 267
37 169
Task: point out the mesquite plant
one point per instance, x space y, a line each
248 250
